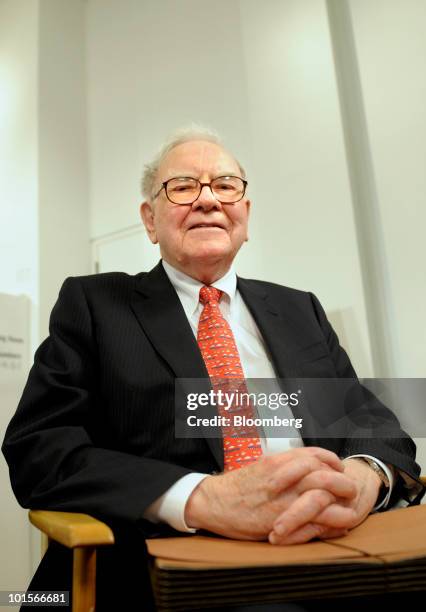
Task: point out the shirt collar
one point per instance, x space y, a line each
188 288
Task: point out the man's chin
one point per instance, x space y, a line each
209 249
209 255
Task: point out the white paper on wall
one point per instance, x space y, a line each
14 365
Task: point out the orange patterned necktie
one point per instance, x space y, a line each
220 354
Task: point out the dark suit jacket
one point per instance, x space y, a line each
94 431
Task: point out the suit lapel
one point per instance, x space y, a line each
284 338
163 319
160 313
279 333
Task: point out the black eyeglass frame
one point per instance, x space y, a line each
164 186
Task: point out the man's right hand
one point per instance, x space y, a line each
243 504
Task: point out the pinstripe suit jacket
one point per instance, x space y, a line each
94 431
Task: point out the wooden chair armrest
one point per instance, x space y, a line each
423 479
83 534
71 528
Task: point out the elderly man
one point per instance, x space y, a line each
94 431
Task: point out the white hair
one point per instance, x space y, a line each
180 136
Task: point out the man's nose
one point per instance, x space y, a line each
206 199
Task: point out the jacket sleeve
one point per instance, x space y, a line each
55 460
367 415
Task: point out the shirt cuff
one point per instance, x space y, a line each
388 470
170 507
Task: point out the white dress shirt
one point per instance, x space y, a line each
256 363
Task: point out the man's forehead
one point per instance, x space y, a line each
196 157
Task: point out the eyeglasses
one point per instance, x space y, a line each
185 190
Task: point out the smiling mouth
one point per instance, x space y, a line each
206 226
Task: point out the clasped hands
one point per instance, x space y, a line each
287 498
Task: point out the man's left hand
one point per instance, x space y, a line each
305 520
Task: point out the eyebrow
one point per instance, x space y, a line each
191 175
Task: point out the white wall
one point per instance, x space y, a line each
299 168
151 67
15 345
18 147
18 238
43 188
391 47
63 174
43 162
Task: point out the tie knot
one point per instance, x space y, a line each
210 294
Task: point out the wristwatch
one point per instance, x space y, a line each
379 471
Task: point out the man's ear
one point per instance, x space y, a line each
147 216
248 205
